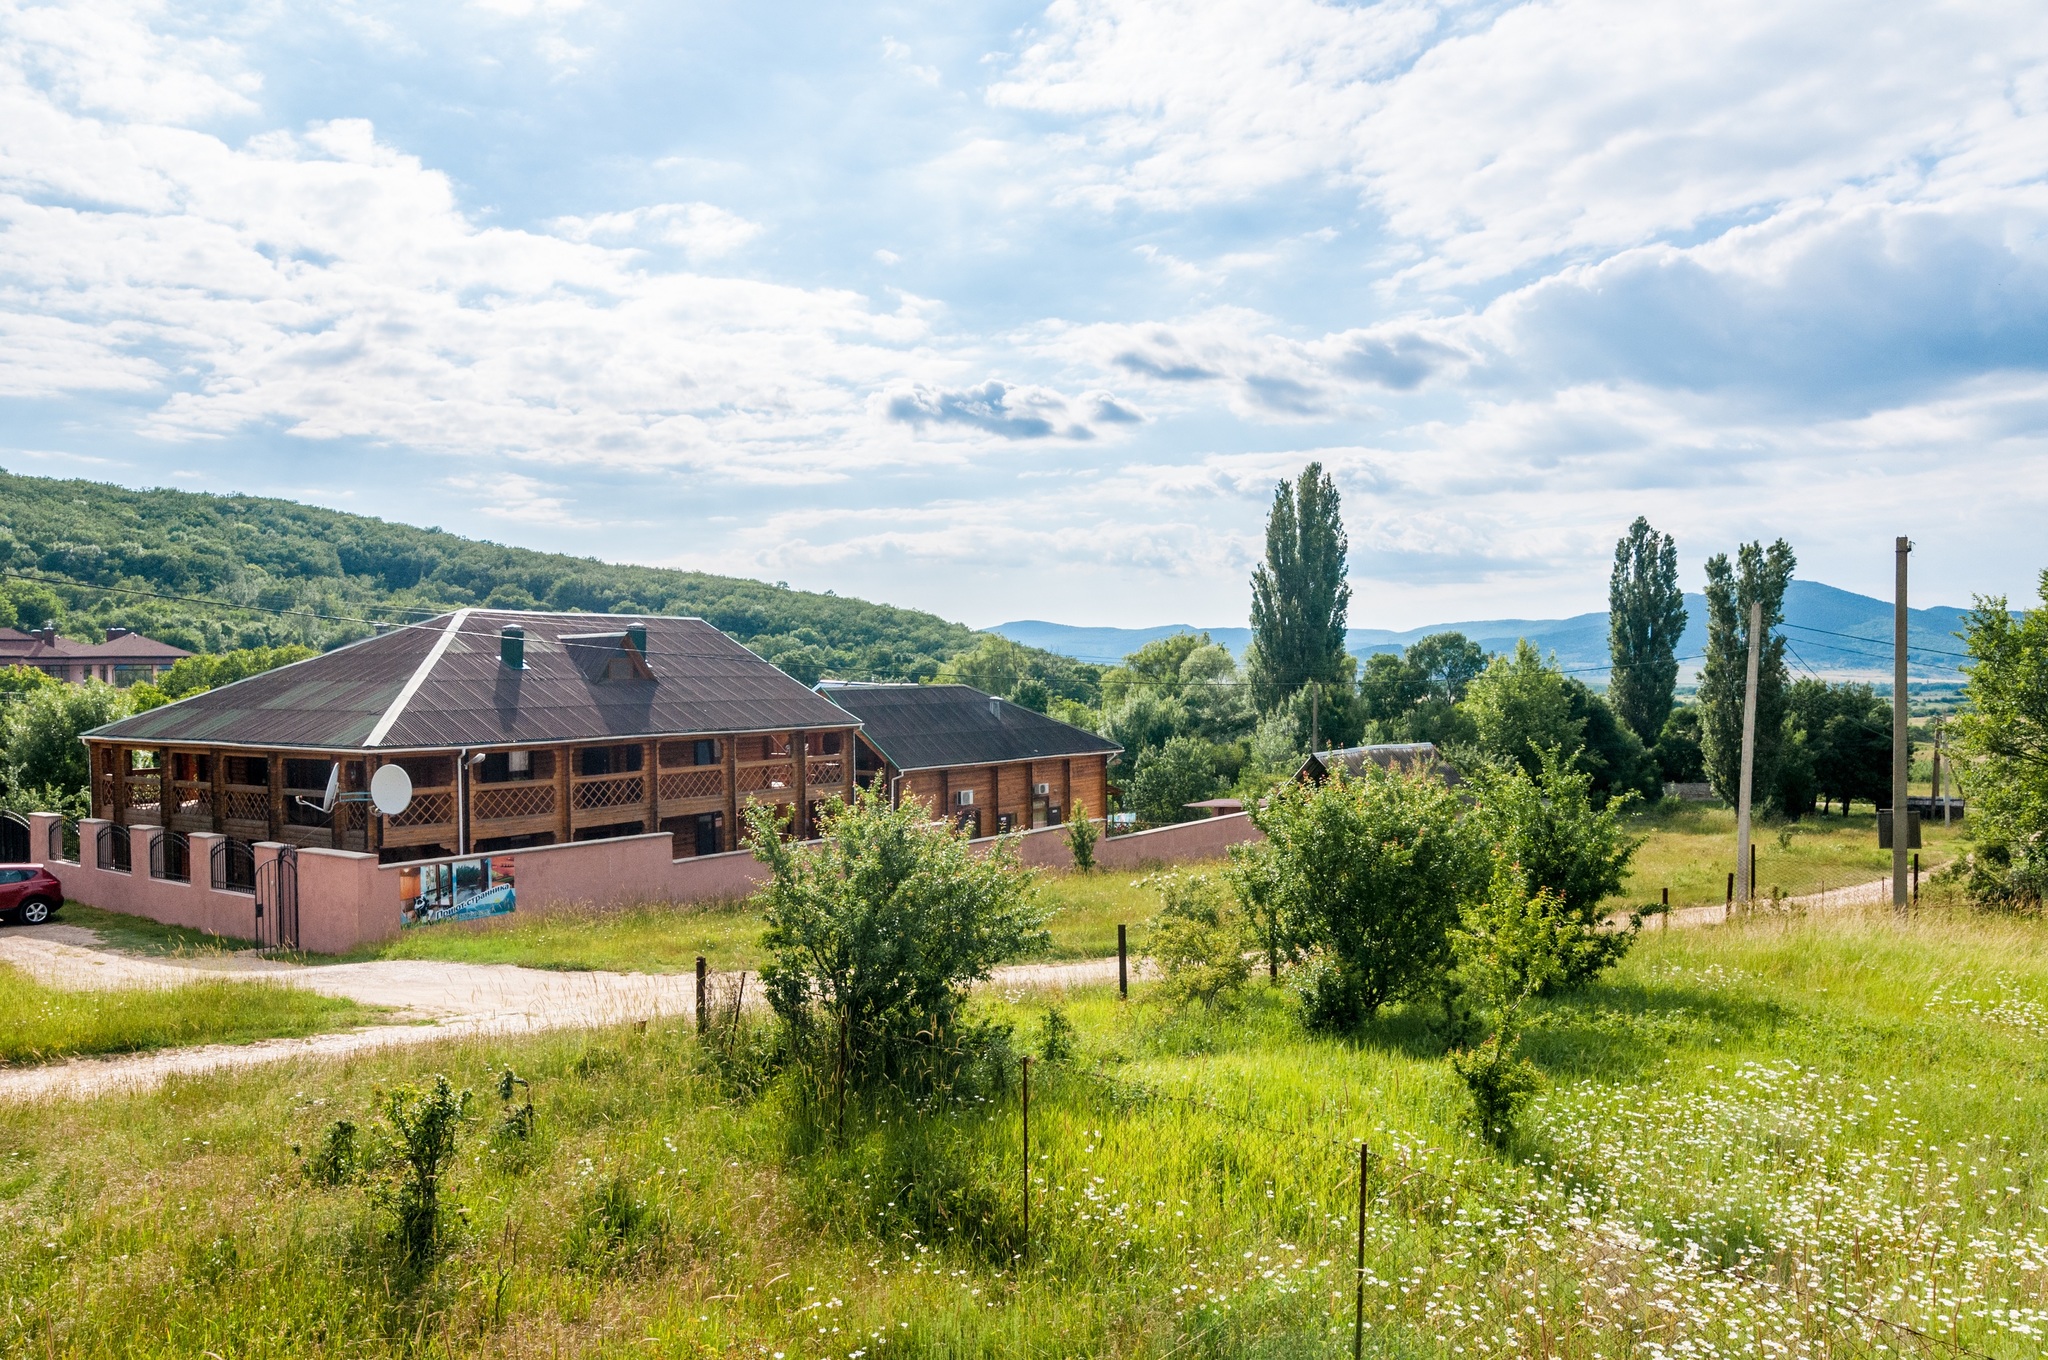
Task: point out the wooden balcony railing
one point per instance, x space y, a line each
145 796
192 800
595 792
429 807
779 774
511 802
246 803
682 786
824 772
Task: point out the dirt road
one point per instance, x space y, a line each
431 1001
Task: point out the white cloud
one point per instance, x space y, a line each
701 230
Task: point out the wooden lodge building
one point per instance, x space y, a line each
516 728
988 764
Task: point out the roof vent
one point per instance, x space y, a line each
995 707
636 633
512 647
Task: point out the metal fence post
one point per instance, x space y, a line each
1358 1316
703 997
1024 1252
1123 968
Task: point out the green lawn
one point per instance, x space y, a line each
140 935
41 1024
1690 849
1790 1137
668 939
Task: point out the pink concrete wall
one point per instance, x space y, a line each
347 899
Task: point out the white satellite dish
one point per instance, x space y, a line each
391 789
329 796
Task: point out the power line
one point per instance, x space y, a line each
1911 646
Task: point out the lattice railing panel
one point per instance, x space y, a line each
681 785
192 799
608 791
144 795
247 805
429 807
829 771
754 778
507 802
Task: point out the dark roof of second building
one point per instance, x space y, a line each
925 727
1407 756
441 684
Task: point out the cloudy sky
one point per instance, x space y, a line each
1016 311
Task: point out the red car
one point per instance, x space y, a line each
29 893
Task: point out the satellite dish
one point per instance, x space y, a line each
391 789
333 790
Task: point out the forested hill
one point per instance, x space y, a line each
338 574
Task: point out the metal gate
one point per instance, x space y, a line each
14 847
277 901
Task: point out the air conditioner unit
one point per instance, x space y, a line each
963 798
1041 790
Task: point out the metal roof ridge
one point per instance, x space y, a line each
419 677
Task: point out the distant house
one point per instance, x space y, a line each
123 659
1409 757
515 728
985 763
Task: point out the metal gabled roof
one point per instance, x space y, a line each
441 684
925 727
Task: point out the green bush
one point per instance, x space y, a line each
1081 837
1546 827
1198 940
1370 873
422 1125
877 931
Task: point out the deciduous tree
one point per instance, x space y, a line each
1299 594
1645 617
1761 575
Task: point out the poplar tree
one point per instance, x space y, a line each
1759 574
1299 596
1645 618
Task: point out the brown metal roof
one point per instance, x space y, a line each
441 684
924 727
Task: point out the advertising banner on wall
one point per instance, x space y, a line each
464 890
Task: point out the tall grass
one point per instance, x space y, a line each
1775 1138
41 1024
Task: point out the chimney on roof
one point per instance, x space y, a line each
995 707
48 633
512 647
636 633
116 633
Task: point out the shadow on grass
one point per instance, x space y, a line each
1618 1031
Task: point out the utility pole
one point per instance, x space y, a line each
1902 819
1937 772
1743 886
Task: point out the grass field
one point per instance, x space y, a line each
1689 848
1794 1137
41 1024
668 939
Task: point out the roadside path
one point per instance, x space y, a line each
431 1001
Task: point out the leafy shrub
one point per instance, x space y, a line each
876 932
1198 940
1056 1036
1546 827
338 1159
1370 873
423 1125
1509 945
1081 837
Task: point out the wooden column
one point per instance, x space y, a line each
1067 793
565 822
274 763
731 747
800 754
163 787
650 762
373 829
118 813
847 784
218 765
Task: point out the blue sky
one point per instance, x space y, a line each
1015 311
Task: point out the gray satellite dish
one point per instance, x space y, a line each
391 790
329 796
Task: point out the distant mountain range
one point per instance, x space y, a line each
1835 634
